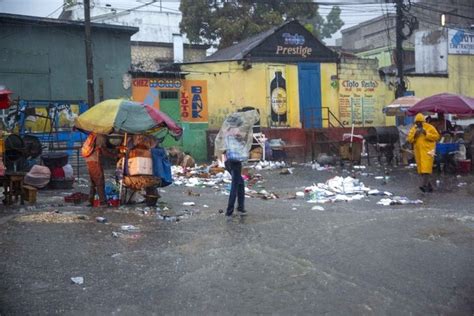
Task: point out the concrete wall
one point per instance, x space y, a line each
460 78
151 57
371 34
431 52
48 62
362 94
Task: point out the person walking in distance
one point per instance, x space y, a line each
423 137
233 145
92 150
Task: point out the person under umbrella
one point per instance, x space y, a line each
93 149
423 136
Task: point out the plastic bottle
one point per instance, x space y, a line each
96 201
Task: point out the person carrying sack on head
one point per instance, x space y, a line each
423 137
92 150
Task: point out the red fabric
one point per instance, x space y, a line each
57 173
159 116
444 103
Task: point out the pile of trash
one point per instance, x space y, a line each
200 176
269 165
339 189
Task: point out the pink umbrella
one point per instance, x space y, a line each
445 103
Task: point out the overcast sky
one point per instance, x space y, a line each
351 14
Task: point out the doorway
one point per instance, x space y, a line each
309 81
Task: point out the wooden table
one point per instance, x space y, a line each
12 183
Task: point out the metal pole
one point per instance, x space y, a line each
400 91
89 59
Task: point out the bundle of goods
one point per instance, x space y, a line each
38 177
62 175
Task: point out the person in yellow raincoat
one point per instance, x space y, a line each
423 137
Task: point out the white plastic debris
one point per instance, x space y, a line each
77 280
189 203
129 228
398 200
339 189
317 208
300 194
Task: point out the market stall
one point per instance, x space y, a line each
142 163
449 154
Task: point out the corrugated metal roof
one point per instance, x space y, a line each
34 20
239 50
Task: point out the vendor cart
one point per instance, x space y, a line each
134 119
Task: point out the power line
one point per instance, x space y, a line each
441 11
60 7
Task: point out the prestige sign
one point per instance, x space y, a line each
293 45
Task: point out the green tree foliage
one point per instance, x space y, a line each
229 21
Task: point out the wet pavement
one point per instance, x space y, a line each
350 258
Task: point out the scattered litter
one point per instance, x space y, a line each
359 167
398 200
461 184
221 211
300 194
339 189
286 171
317 208
294 209
129 228
191 193
269 165
205 206
189 203
77 280
100 219
325 159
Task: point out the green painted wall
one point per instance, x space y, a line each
194 140
48 61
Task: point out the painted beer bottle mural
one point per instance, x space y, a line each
278 99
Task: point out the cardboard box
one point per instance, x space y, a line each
140 166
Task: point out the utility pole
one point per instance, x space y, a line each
89 62
401 88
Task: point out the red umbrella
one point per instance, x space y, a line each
445 103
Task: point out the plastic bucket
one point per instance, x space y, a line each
464 166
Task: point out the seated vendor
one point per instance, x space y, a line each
440 123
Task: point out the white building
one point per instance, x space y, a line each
158 43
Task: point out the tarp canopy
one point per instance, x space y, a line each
116 115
